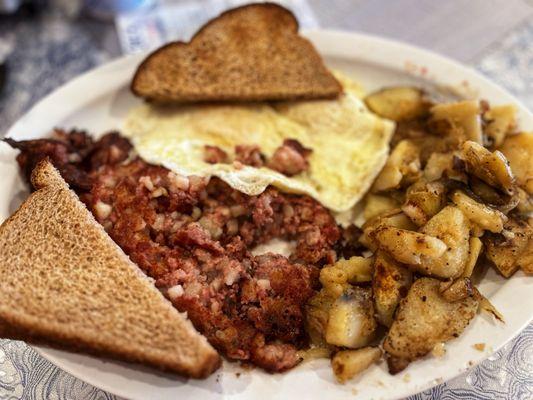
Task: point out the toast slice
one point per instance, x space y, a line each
65 283
249 53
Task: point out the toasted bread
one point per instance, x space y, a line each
250 53
65 283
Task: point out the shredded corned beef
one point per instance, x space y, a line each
194 236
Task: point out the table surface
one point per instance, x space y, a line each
493 36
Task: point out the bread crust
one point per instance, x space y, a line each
320 84
64 283
14 330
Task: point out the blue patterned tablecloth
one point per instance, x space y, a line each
50 50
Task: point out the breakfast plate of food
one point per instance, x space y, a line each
263 212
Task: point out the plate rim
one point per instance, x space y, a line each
343 39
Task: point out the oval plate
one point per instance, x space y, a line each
98 101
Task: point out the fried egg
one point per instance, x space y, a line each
349 143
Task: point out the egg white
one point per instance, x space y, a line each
350 144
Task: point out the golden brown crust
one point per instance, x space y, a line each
63 342
65 283
249 53
424 319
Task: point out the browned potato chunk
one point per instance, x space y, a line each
424 200
390 284
456 290
492 168
437 165
485 192
525 202
398 103
317 314
444 165
335 278
424 318
480 214
507 250
402 167
314 353
463 116
500 121
357 269
347 364
408 247
394 218
351 320
451 227
436 143
475 250
493 196
377 205
518 149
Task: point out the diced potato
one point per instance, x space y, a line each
485 192
525 202
473 254
394 218
441 165
389 178
493 196
408 247
437 165
351 320
390 284
377 205
451 227
334 280
347 364
424 200
414 130
367 241
500 121
463 117
431 136
423 319
357 269
435 142
317 315
456 290
398 195
476 230
480 214
315 353
505 250
492 168
518 150
332 274
402 168
398 103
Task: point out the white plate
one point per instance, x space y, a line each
98 101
